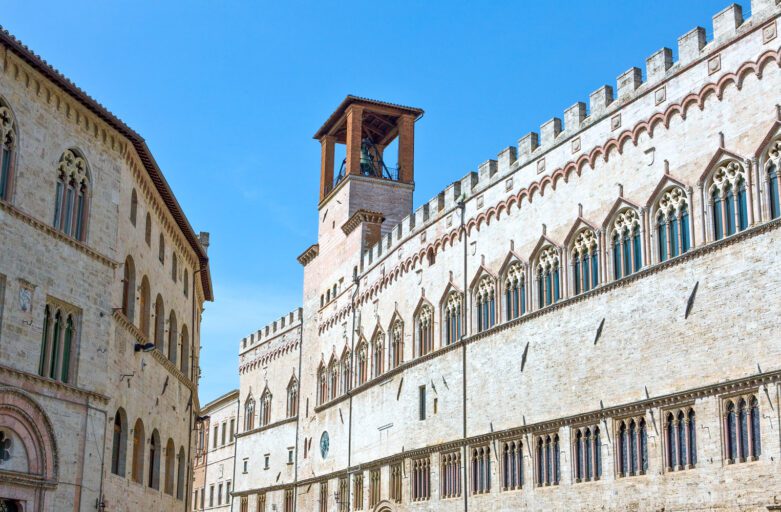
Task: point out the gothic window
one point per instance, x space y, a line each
322 382
180 474
481 470
345 372
343 494
173 337
625 242
424 330
159 323
632 449
357 491
133 207
7 150
324 496
170 456
58 342
548 277
728 198
421 479
161 249
585 261
771 171
261 502
672 224
174 265
119 443
333 379
512 465
741 428
397 344
184 363
148 230
396 476
452 316
378 354
264 415
587 454
144 305
71 201
153 477
450 474
361 362
374 487
129 289
547 460
514 292
249 414
485 303
137 468
680 442
292 398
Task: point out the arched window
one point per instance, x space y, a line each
514 292
771 176
292 398
138 452
173 337
7 150
344 362
512 465
144 303
485 303
585 261
672 224
322 381
249 414
481 470
548 277
71 201
397 344
174 266
741 428
361 362
161 249
450 474
170 455
153 477
626 246
333 379
424 330
180 474
148 230
159 323
129 289
547 460
452 317
184 362
58 339
265 408
133 207
186 283
679 439
728 198
378 354
632 449
587 464
119 443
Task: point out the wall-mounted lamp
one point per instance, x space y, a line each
146 347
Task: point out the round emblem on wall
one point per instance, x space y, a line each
324 443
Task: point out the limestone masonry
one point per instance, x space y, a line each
588 322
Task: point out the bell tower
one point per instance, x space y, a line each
366 127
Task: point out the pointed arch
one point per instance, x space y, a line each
119 443
670 212
624 233
72 196
264 412
546 269
451 307
378 351
153 474
514 289
424 328
9 137
170 468
583 247
484 290
292 397
137 469
396 341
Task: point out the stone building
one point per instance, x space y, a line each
102 285
588 322
213 468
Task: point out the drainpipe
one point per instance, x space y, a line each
356 287
189 479
298 408
235 445
465 314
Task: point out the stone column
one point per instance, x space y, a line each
354 135
326 165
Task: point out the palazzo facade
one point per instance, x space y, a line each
588 322
102 285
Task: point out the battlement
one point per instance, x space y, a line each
660 67
273 329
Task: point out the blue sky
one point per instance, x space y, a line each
228 95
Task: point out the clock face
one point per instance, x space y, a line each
324 443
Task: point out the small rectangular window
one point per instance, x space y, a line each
211 496
216 433
219 494
246 463
224 432
266 461
422 403
435 405
232 430
290 455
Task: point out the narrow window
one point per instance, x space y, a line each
133 207
422 403
7 150
775 204
70 202
148 230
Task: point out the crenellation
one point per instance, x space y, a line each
629 81
656 65
527 145
549 131
690 45
760 8
487 170
574 117
599 100
452 193
726 22
506 159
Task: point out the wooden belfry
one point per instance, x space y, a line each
367 127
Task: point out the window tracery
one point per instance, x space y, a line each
585 261
481 470
680 439
547 455
71 198
425 330
378 354
626 243
58 341
632 449
672 224
264 414
587 453
548 276
7 150
742 429
421 479
515 292
771 178
728 200
450 474
485 303
453 317
512 465
397 344
249 414
333 379
361 363
292 398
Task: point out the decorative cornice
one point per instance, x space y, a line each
361 216
56 386
48 230
26 480
270 426
309 254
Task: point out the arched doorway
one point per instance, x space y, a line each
10 506
384 506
